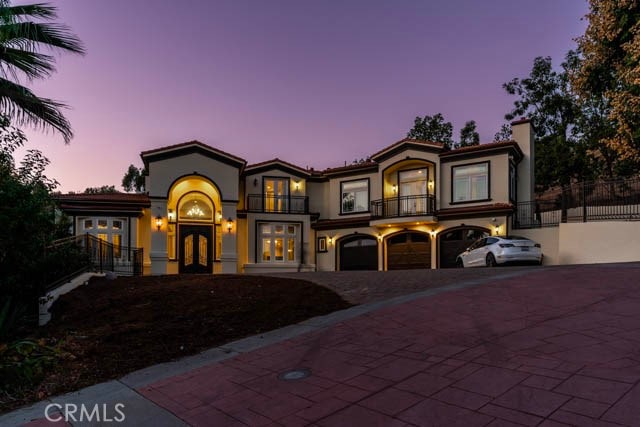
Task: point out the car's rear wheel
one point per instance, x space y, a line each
459 263
491 260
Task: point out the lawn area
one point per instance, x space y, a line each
112 327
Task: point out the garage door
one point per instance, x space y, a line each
409 251
359 253
453 242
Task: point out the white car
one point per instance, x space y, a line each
494 250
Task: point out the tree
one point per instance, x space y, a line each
468 134
105 189
28 225
504 134
432 128
21 42
546 98
133 179
610 71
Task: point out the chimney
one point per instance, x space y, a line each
522 133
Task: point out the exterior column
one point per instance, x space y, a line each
158 254
229 256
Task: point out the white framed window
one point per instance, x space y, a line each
354 196
278 242
108 230
470 182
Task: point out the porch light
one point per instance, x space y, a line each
296 185
329 240
229 224
158 222
433 233
171 216
497 230
380 237
394 188
431 184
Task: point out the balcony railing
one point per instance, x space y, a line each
420 205
278 204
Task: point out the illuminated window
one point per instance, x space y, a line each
102 224
88 224
355 196
470 182
278 242
195 207
116 239
116 225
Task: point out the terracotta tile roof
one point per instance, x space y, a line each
482 147
474 209
104 197
411 141
355 166
190 143
277 160
328 224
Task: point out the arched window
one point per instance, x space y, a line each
195 207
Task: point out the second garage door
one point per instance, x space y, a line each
408 251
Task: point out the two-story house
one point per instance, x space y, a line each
413 204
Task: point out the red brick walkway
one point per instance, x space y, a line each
556 347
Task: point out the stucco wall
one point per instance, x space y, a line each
548 238
596 242
163 173
498 180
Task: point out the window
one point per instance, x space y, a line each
276 194
102 224
116 239
355 196
88 224
470 182
413 182
322 244
116 225
110 231
278 243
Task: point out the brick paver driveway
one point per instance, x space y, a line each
553 347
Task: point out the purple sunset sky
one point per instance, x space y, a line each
314 83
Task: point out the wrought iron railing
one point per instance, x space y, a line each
587 201
421 205
278 204
74 255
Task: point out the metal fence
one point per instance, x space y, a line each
587 201
69 257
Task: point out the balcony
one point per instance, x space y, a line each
277 204
403 207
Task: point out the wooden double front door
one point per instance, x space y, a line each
196 248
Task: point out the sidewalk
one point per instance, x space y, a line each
552 347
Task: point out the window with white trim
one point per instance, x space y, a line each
355 196
108 230
470 182
278 242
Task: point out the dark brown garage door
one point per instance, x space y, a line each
455 241
359 253
408 251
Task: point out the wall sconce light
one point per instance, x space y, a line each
431 184
394 188
171 217
380 237
255 182
497 230
158 222
219 216
229 224
329 240
433 233
296 185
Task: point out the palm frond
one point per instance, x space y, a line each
32 64
37 10
25 108
34 35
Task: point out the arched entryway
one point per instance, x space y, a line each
358 252
408 250
453 241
